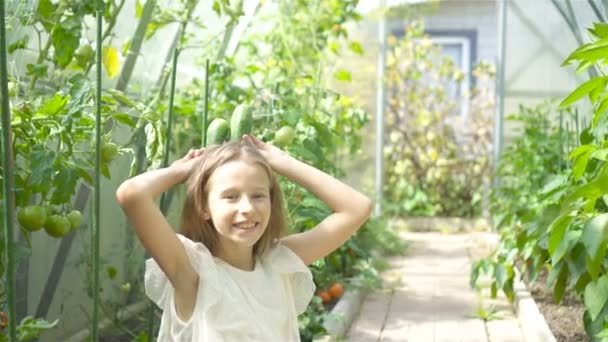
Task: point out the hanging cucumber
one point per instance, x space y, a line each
241 122
218 132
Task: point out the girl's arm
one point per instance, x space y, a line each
137 197
350 208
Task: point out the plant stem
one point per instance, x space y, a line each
41 57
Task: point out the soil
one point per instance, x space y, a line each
565 319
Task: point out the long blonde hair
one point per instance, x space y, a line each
193 224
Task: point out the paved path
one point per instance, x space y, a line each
427 298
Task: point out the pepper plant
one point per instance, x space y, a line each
550 204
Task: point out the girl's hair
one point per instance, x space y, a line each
193 224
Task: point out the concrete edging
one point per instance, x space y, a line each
534 327
343 314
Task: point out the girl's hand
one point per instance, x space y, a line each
186 164
276 157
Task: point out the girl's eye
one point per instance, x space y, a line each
259 196
230 197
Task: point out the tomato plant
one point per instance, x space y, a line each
278 73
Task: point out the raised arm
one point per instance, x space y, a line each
137 197
350 208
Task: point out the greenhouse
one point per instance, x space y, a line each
304 170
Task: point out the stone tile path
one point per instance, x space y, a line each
427 298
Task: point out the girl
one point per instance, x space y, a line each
232 275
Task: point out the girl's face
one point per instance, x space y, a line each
239 203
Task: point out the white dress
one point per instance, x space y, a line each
232 304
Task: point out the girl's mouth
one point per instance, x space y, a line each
246 226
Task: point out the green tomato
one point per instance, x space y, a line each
57 226
75 218
284 136
126 287
32 218
84 54
109 152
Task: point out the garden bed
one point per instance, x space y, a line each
565 319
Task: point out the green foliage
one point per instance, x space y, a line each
428 171
282 73
550 201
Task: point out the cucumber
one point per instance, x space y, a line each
218 132
241 122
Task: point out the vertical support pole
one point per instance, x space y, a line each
97 195
500 83
380 100
7 184
206 104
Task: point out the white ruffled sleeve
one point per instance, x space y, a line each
160 291
289 264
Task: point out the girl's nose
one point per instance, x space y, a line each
245 204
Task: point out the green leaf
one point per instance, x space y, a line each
557 230
591 191
105 171
583 66
292 117
54 105
554 274
554 183
124 119
38 70
19 44
600 30
356 48
65 39
584 89
601 154
30 328
42 164
139 9
597 51
84 174
500 274
152 142
305 153
216 8
596 295
325 136
589 52
570 239
122 97
560 285
65 185
334 47
126 46
46 11
343 75
580 164
594 236
577 264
